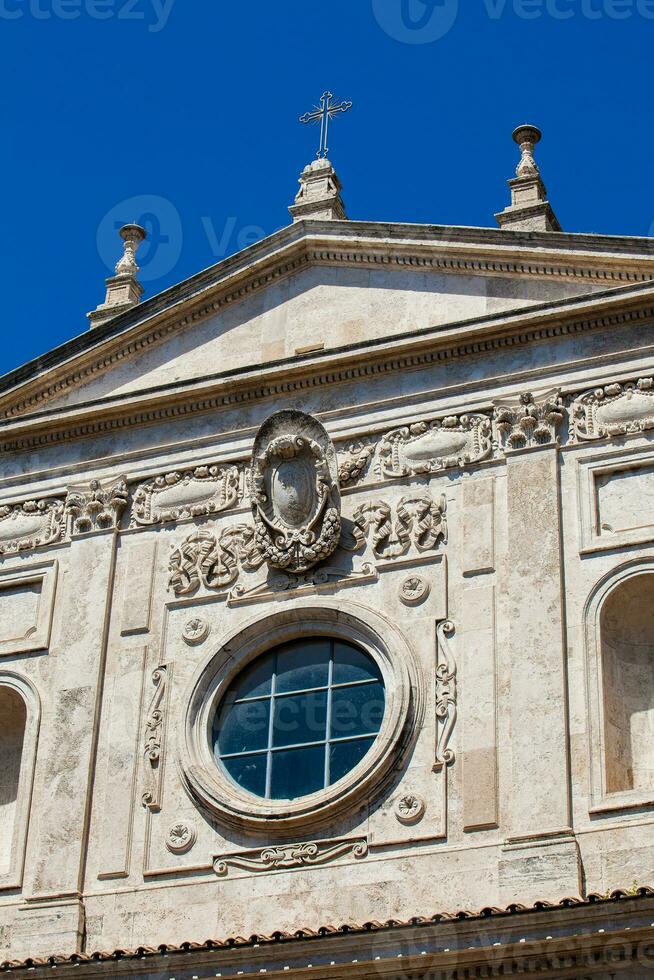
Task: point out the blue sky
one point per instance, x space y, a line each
183 114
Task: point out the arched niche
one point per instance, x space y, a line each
19 721
627 655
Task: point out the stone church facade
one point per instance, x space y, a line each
326 610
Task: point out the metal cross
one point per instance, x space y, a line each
322 114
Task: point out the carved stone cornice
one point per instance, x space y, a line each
361 360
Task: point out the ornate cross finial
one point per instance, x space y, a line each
323 114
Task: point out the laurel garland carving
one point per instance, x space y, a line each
181 495
213 560
524 422
153 742
427 447
32 524
355 462
93 507
289 856
613 410
446 695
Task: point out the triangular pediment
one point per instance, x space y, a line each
316 288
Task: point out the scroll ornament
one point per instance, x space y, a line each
289 856
446 695
419 522
428 447
614 410
294 491
154 738
213 560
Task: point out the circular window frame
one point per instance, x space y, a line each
209 782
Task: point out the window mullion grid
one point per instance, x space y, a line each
328 724
271 729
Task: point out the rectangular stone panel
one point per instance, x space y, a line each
138 572
625 500
478 711
120 751
479 526
26 604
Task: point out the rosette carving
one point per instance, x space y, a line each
294 491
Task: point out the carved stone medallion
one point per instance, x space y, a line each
410 808
181 837
30 525
196 631
294 490
414 590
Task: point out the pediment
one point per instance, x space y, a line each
317 287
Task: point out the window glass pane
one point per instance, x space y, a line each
357 710
351 664
256 680
303 665
344 756
243 727
297 772
300 718
249 772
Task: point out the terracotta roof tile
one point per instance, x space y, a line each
142 952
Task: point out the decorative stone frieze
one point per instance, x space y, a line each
427 447
418 523
446 695
213 560
614 410
181 495
31 524
294 490
93 507
524 422
291 856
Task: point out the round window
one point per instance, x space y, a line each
299 718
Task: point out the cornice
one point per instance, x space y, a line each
408 351
458 251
